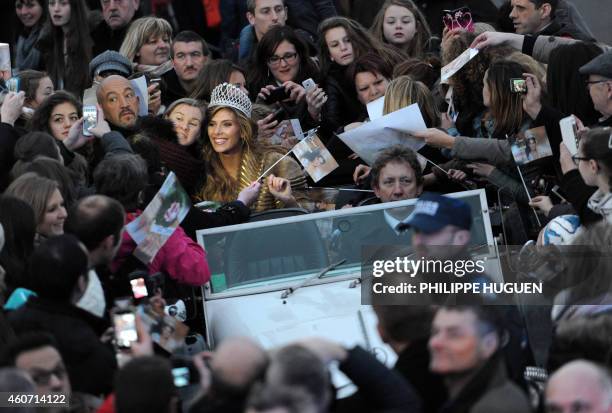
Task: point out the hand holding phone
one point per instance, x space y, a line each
124 322
90 119
518 85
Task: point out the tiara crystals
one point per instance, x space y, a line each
227 94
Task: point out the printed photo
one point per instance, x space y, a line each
315 158
531 145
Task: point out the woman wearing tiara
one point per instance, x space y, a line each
235 160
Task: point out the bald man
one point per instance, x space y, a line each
579 385
119 102
231 371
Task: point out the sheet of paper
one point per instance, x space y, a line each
140 88
375 108
392 129
160 219
453 67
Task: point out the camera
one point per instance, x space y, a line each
518 86
277 95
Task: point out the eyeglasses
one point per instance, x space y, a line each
43 377
289 58
577 159
594 82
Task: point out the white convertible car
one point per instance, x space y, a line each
299 276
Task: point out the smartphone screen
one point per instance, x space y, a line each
125 329
90 119
181 376
139 288
518 85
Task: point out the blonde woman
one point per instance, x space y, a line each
147 45
400 23
403 91
236 161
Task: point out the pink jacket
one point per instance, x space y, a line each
180 257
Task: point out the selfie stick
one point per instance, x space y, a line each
528 196
446 172
340 189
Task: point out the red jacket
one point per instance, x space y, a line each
180 257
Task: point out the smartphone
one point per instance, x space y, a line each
569 132
277 95
139 288
184 372
518 85
13 84
124 321
155 81
90 119
309 85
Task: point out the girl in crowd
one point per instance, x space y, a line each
36 85
342 41
43 195
17 219
147 45
282 59
236 161
507 120
178 138
401 24
594 164
217 72
31 15
55 116
66 45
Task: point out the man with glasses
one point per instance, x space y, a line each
37 354
599 84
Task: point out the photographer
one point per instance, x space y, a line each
282 60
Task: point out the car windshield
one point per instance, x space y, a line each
268 252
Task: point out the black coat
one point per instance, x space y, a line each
91 364
490 390
307 14
413 364
104 38
171 88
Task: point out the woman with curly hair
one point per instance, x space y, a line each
400 23
236 161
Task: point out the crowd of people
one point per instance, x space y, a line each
84 149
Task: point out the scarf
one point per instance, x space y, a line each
27 56
601 203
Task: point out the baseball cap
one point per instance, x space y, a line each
110 60
601 65
433 212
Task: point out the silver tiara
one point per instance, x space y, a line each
227 94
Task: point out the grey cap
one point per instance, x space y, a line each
110 60
601 65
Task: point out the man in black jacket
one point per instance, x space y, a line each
58 275
109 34
538 17
406 330
465 347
